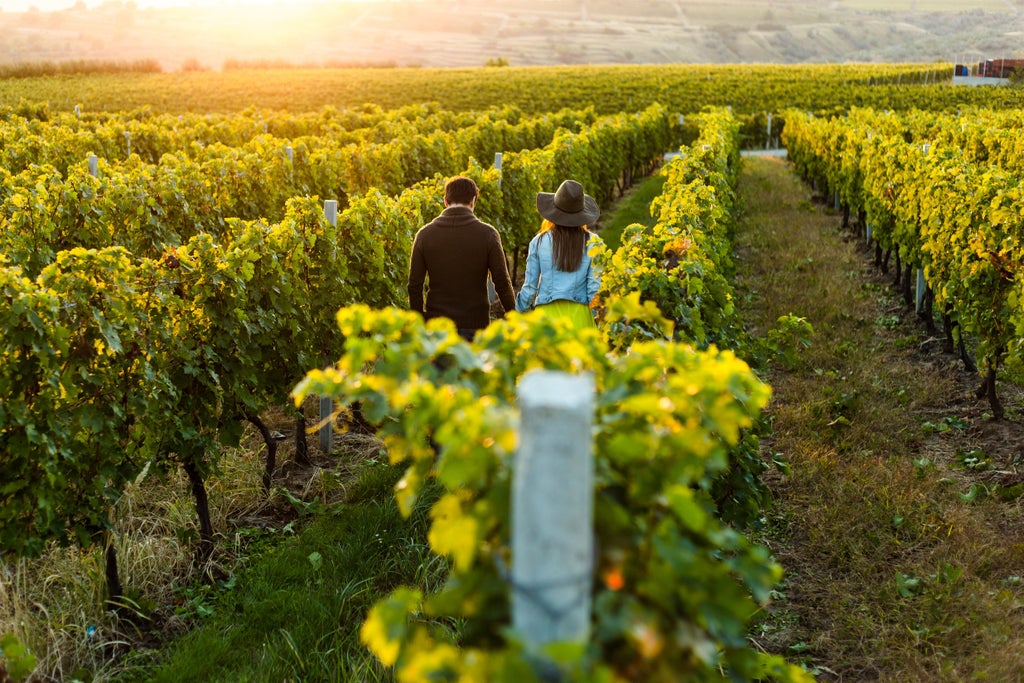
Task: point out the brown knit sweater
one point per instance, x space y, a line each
453 254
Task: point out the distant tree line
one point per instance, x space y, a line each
244 64
92 67
77 66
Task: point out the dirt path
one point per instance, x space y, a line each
899 524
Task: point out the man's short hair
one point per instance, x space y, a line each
460 190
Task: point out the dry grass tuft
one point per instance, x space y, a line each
55 603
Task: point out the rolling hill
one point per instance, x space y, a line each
443 33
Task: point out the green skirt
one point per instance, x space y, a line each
577 314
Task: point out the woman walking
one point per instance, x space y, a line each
560 277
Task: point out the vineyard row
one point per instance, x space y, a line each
676 463
148 207
944 194
113 360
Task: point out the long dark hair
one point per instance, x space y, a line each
567 245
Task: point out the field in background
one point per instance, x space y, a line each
521 32
748 89
921 614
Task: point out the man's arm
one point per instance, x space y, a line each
500 276
417 276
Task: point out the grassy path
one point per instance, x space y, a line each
294 613
899 568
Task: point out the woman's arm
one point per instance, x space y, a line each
528 294
593 273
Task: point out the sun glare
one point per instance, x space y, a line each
204 34
58 5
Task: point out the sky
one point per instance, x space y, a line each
54 5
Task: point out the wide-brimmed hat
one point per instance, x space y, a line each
568 205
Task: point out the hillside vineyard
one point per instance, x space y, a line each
169 276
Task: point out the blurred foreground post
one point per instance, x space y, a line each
552 509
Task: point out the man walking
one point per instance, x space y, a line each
453 255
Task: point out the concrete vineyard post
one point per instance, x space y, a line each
552 509
326 433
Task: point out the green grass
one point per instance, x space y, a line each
295 614
634 207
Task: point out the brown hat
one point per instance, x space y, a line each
568 205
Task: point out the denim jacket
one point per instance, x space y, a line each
544 283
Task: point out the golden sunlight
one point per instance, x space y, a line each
206 34
60 5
